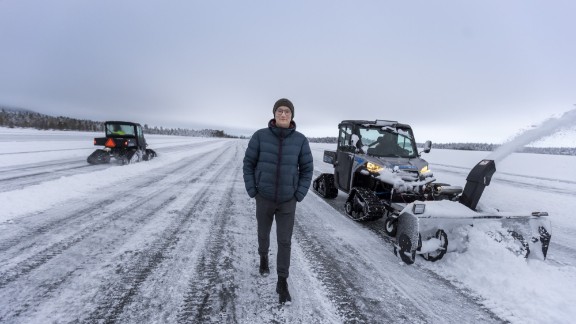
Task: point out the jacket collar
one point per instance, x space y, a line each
281 132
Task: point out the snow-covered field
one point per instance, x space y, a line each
174 240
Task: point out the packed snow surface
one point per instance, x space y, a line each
174 240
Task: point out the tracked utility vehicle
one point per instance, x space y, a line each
124 143
378 165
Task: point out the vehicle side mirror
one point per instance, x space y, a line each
427 147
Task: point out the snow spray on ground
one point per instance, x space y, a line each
547 128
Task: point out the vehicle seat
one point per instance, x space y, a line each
386 146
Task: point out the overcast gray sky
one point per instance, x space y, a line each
457 71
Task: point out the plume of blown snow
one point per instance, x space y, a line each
547 128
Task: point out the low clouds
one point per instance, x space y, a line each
479 72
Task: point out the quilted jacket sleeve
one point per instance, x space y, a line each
250 161
305 169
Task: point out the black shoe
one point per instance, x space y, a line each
282 290
264 269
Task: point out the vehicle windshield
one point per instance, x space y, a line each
388 142
119 129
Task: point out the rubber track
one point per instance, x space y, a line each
332 191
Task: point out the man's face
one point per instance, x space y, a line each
283 116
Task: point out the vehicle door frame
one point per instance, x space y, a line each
140 137
344 157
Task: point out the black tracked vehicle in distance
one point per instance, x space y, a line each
124 143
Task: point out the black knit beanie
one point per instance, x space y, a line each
283 102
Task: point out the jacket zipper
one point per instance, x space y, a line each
281 139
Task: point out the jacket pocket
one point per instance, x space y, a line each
258 176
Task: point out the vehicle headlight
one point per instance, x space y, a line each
373 167
424 170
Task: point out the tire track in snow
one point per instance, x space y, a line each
25 232
54 171
202 255
212 291
158 199
35 173
336 264
133 273
120 292
178 148
37 225
34 227
54 251
35 261
45 151
334 278
37 165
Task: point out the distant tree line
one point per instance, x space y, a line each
474 147
14 117
323 140
29 119
185 132
492 147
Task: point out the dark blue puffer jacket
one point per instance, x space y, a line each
278 164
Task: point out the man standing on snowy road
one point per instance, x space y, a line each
278 170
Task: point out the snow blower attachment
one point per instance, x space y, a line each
378 165
427 227
124 142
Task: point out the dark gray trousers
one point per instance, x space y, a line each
284 212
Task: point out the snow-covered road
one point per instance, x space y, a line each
174 240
